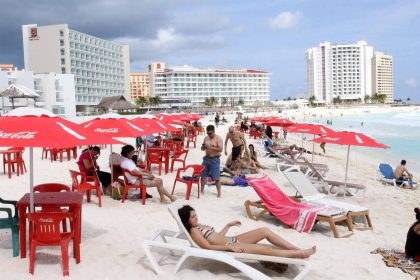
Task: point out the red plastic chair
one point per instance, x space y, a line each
16 158
46 232
192 137
128 186
53 187
154 157
116 171
195 178
179 156
82 183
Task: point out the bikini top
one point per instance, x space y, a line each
206 231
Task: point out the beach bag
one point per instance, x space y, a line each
117 189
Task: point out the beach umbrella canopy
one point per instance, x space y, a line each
115 127
308 128
172 119
350 138
154 125
35 127
278 122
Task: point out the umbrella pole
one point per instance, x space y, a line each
31 180
112 174
302 140
313 149
347 166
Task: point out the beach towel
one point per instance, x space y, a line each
394 258
299 216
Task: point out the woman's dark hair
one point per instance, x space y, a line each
94 148
185 213
125 150
417 211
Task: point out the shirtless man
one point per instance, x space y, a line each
402 173
237 140
213 146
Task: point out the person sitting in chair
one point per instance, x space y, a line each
87 165
127 153
401 173
207 238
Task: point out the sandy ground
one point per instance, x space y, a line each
112 236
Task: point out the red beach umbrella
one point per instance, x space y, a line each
278 122
115 127
153 125
350 139
35 127
307 128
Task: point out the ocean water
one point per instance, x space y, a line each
400 131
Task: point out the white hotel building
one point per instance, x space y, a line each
340 70
100 67
187 86
56 91
382 76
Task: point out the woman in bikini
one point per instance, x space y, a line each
253 155
207 238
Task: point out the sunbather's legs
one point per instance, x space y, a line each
158 183
256 235
269 251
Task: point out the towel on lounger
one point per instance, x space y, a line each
299 216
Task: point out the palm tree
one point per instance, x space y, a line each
366 98
241 101
408 99
142 101
155 101
312 101
213 101
207 102
224 101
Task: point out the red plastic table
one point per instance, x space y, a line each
165 152
73 200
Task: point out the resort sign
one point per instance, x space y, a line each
34 34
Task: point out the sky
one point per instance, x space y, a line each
234 34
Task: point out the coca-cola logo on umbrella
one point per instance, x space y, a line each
18 135
106 130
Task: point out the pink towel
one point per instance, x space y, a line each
300 216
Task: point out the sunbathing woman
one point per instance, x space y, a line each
246 165
207 238
254 157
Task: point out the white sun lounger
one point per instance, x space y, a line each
311 195
171 241
317 176
286 163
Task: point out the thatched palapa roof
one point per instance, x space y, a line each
115 103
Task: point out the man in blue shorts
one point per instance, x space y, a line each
213 146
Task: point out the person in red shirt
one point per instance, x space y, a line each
87 164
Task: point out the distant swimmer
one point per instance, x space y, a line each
361 124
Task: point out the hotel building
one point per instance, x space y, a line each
100 67
56 91
339 70
139 84
187 86
382 76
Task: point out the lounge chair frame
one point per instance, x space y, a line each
166 239
331 220
314 197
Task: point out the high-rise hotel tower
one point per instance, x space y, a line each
100 67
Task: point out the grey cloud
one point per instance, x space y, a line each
108 19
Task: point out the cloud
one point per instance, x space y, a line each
411 82
166 42
285 20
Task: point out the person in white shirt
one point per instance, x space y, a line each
149 179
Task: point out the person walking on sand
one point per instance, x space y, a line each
213 147
401 172
238 142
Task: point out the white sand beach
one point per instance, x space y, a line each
112 236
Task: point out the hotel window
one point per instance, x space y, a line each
63 61
61 42
61 33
